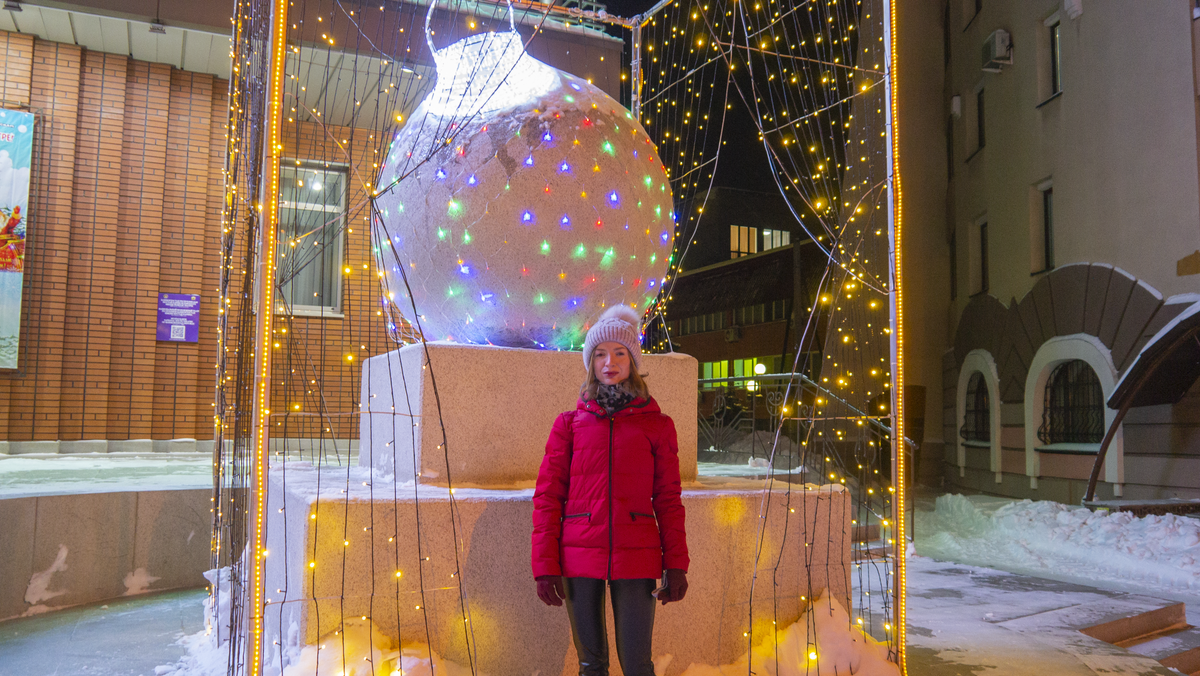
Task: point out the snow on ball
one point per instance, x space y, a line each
520 201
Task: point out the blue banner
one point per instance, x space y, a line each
16 156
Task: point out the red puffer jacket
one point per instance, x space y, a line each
607 503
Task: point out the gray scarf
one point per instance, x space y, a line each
613 398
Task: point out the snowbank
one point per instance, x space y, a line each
359 650
835 647
1154 552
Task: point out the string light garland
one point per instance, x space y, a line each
810 73
815 77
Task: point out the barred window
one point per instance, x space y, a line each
1074 405
977 418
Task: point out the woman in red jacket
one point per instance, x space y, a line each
607 509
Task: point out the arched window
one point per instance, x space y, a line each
977 418
1074 410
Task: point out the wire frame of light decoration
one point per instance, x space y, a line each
318 91
815 78
815 75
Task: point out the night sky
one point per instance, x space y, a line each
743 162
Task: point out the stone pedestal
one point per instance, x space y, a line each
496 408
392 528
370 541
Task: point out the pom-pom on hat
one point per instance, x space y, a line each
619 324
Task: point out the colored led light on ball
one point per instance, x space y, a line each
513 301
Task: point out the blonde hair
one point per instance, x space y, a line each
635 384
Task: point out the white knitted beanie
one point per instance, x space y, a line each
619 324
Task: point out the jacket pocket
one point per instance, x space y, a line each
573 516
636 515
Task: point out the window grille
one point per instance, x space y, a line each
1074 405
977 418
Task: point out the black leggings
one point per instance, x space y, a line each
633 615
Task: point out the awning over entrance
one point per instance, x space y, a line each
1167 366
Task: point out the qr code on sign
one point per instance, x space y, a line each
177 332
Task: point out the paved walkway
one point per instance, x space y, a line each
965 620
123 637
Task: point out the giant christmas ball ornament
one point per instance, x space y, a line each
520 202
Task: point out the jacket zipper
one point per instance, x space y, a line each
572 516
635 515
611 423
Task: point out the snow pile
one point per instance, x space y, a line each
835 647
1156 552
360 649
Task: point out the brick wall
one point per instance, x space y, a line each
126 203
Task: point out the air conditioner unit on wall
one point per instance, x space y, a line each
733 334
997 51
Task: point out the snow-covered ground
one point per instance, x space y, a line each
23 476
1152 554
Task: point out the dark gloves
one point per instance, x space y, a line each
676 586
550 589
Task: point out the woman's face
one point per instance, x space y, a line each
610 363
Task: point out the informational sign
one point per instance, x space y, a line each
179 317
16 155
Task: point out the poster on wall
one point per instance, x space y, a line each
179 317
16 155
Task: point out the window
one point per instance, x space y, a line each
773 239
1074 408
775 311
312 208
977 416
743 241
950 147
983 257
1055 60
946 33
712 321
743 367
954 265
714 369
1042 233
979 120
